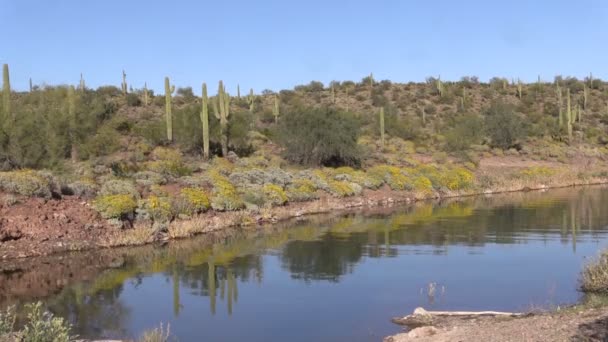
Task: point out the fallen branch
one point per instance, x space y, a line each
421 317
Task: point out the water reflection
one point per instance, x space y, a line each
317 250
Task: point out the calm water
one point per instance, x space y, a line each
333 278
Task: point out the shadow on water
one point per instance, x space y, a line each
93 289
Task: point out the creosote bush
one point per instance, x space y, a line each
225 196
274 194
193 201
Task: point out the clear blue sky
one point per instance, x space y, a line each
279 44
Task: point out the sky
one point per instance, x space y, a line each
268 44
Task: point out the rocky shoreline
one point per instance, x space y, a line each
40 227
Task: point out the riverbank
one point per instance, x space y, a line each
577 323
40 227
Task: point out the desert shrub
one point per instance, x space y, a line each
193 201
504 127
343 188
168 162
43 326
274 194
422 184
106 141
594 277
457 179
149 178
302 190
225 196
392 175
133 100
115 206
260 177
157 208
7 320
320 137
83 188
25 182
466 131
537 172
119 187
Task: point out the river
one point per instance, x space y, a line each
338 277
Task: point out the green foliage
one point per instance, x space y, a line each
43 326
320 137
26 183
167 162
225 196
119 187
467 130
504 127
343 188
274 194
594 276
158 208
193 201
302 190
115 206
7 320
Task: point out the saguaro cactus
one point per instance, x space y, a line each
423 116
333 94
31 85
205 121
124 83
251 100
439 86
371 84
560 103
569 114
238 91
6 91
382 126
145 94
222 112
81 85
275 109
519 89
169 89
73 123
585 96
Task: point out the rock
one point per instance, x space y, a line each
9 233
422 332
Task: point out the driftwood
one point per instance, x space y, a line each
420 317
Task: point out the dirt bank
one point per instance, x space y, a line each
578 323
40 227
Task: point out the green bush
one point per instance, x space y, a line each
274 194
320 137
119 187
25 182
467 130
504 127
193 201
594 276
115 206
42 326
225 196
7 321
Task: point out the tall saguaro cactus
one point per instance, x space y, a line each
275 109
145 94
73 123
560 103
124 83
222 112
585 96
238 91
205 121
333 94
519 89
81 85
6 92
31 85
251 100
382 126
169 89
569 120
439 86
